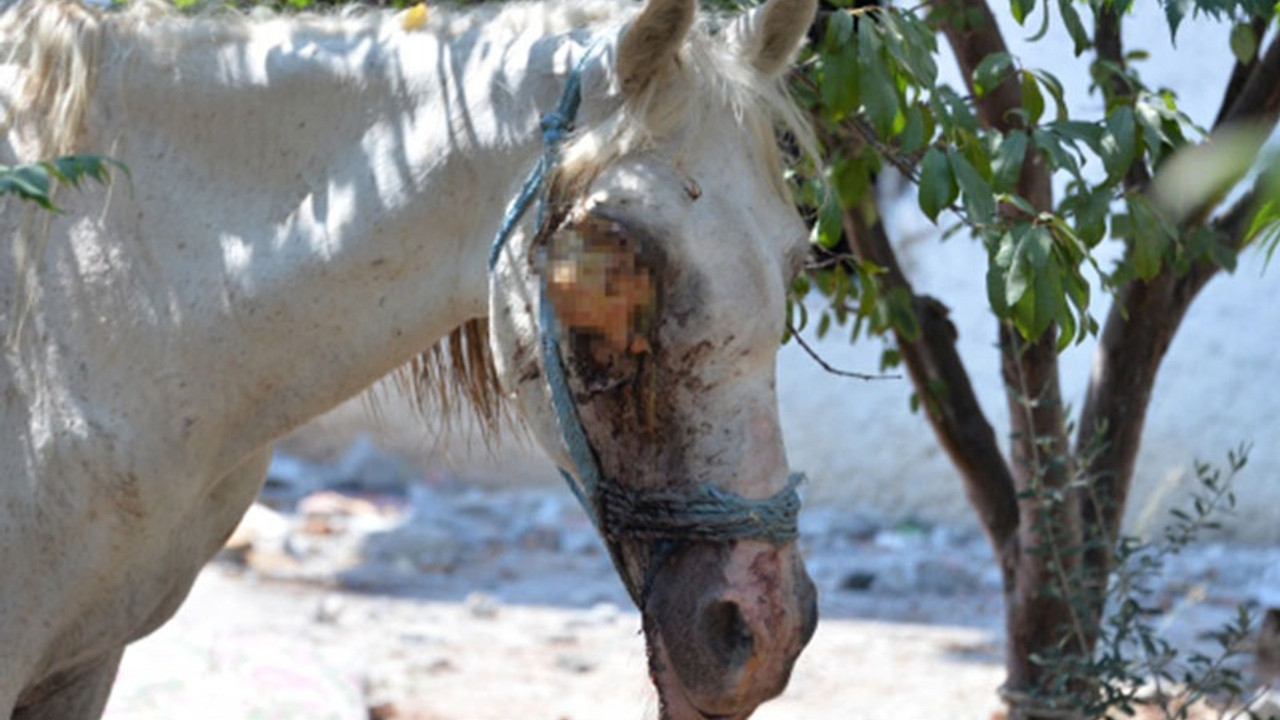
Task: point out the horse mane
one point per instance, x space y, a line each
60 44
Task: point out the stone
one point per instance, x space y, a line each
943 576
482 605
575 663
329 609
857 581
413 547
260 526
290 478
366 467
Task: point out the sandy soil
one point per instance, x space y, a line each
462 604
244 648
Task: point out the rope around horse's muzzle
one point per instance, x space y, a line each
667 518
702 513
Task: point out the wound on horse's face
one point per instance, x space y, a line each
603 291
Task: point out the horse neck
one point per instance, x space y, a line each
344 178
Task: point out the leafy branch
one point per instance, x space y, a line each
37 182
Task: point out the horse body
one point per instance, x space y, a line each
309 204
248 277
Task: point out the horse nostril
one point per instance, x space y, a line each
727 633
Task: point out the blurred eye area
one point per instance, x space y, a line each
604 295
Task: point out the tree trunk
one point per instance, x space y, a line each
1052 511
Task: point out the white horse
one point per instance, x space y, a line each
310 203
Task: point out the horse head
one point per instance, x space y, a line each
636 317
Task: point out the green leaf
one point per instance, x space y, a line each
829 228
1017 201
901 315
1078 293
878 93
1067 322
1091 215
1054 86
890 358
1075 28
1161 124
1022 9
73 169
1244 42
1029 253
913 136
1038 308
990 72
839 30
1059 159
919 46
1174 12
1089 133
977 198
954 112
851 177
1149 238
1017 275
1119 142
1032 99
1264 228
937 184
1152 121
840 79
34 181
1006 164
1209 244
1000 255
31 182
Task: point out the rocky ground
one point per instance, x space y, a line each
359 591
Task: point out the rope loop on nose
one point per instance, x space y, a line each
703 513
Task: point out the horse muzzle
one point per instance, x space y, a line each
725 623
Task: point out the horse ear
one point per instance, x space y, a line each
770 34
650 45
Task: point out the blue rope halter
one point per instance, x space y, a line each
666 517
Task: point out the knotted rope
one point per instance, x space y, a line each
704 513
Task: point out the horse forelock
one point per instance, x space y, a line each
715 85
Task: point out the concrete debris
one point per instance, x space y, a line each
482 605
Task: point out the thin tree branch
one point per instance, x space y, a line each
795 335
1251 91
